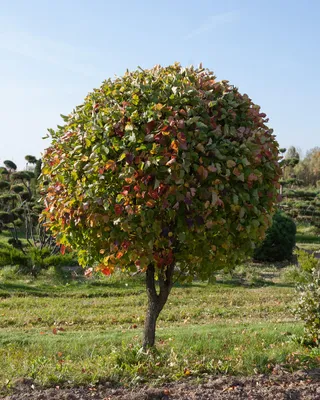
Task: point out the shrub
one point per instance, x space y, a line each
280 240
308 308
59 260
35 259
11 256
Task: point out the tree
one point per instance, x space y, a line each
291 159
292 153
309 169
165 171
19 207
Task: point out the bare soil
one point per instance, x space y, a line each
279 385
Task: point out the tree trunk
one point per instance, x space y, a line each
156 301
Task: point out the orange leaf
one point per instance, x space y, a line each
111 165
119 254
175 145
150 203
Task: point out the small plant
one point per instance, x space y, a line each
307 261
280 240
308 308
9 273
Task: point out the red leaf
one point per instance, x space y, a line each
125 244
118 209
149 127
182 141
62 249
165 128
106 271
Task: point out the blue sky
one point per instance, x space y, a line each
52 53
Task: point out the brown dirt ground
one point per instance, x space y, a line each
281 385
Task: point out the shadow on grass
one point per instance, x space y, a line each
18 287
8 289
238 282
305 238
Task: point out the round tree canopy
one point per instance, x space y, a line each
3 171
10 165
160 166
31 159
4 185
17 188
20 175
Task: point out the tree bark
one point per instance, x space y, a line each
156 301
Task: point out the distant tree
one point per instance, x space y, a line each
290 160
292 154
10 166
31 159
308 170
19 208
165 171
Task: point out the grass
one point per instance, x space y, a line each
90 331
309 246
308 237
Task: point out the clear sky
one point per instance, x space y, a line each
52 53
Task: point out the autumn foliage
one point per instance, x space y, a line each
162 166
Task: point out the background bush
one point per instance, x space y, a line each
11 256
308 308
35 259
280 240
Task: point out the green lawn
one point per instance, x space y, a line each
88 331
308 237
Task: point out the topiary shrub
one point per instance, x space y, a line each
159 169
280 240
